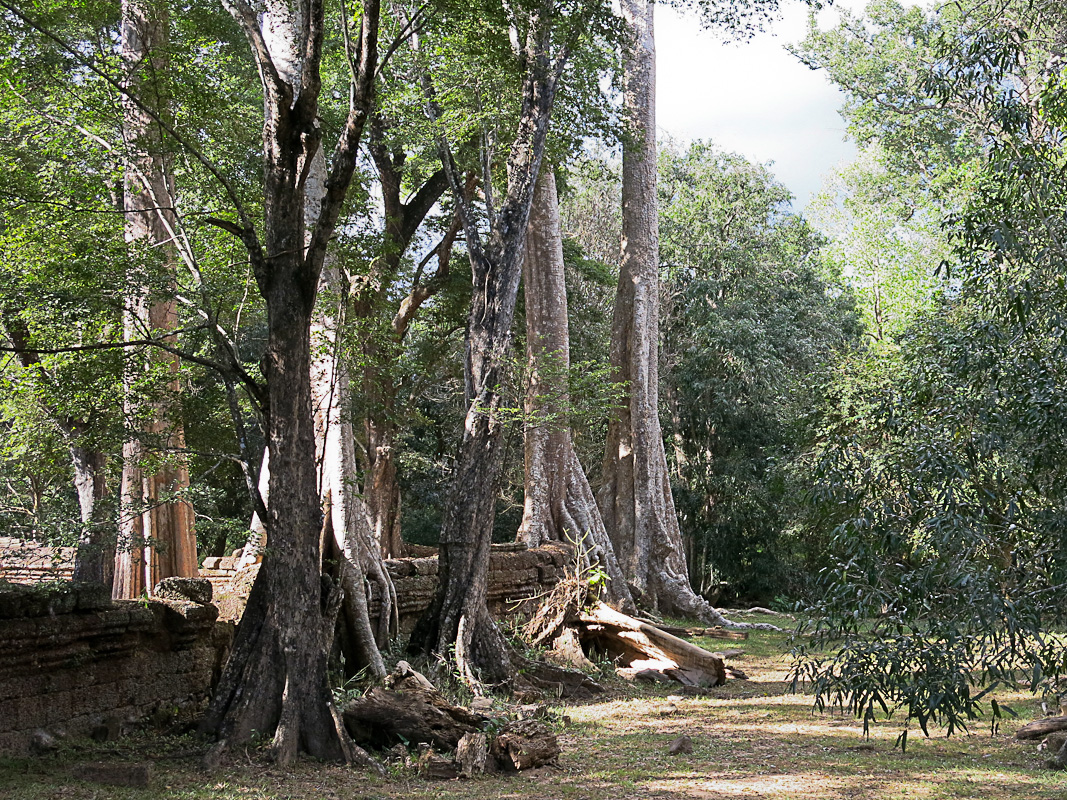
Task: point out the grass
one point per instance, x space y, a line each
751 739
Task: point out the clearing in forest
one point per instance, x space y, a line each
751 738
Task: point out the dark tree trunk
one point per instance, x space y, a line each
275 681
458 616
559 502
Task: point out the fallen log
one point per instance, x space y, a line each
641 646
690 633
1040 728
381 718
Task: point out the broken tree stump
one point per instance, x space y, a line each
381 718
471 754
643 647
525 744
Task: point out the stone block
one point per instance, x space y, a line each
195 590
425 566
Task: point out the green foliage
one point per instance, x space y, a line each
940 476
750 322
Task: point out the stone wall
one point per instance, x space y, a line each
25 561
73 660
516 575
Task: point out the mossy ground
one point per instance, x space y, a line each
751 739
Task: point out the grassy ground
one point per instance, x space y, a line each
751 738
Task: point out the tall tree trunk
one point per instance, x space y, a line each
348 523
156 534
459 617
276 681
635 496
559 503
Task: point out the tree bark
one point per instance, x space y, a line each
336 456
458 616
275 681
156 528
559 504
635 496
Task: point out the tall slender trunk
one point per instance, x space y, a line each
459 616
156 533
559 504
635 496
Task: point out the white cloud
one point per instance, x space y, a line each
752 98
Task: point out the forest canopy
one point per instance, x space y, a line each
267 285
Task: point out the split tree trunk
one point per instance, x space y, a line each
635 497
559 504
156 533
275 682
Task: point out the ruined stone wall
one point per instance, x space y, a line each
25 561
73 660
516 575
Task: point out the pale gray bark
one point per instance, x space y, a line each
156 530
635 496
338 490
559 504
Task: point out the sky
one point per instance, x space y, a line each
752 98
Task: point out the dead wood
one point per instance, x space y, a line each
471 754
1038 729
555 681
437 767
567 651
525 744
641 646
689 633
381 718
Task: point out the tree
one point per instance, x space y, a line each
886 241
635 495
156 532
543 35
754 320
940 476
559 504
280 649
